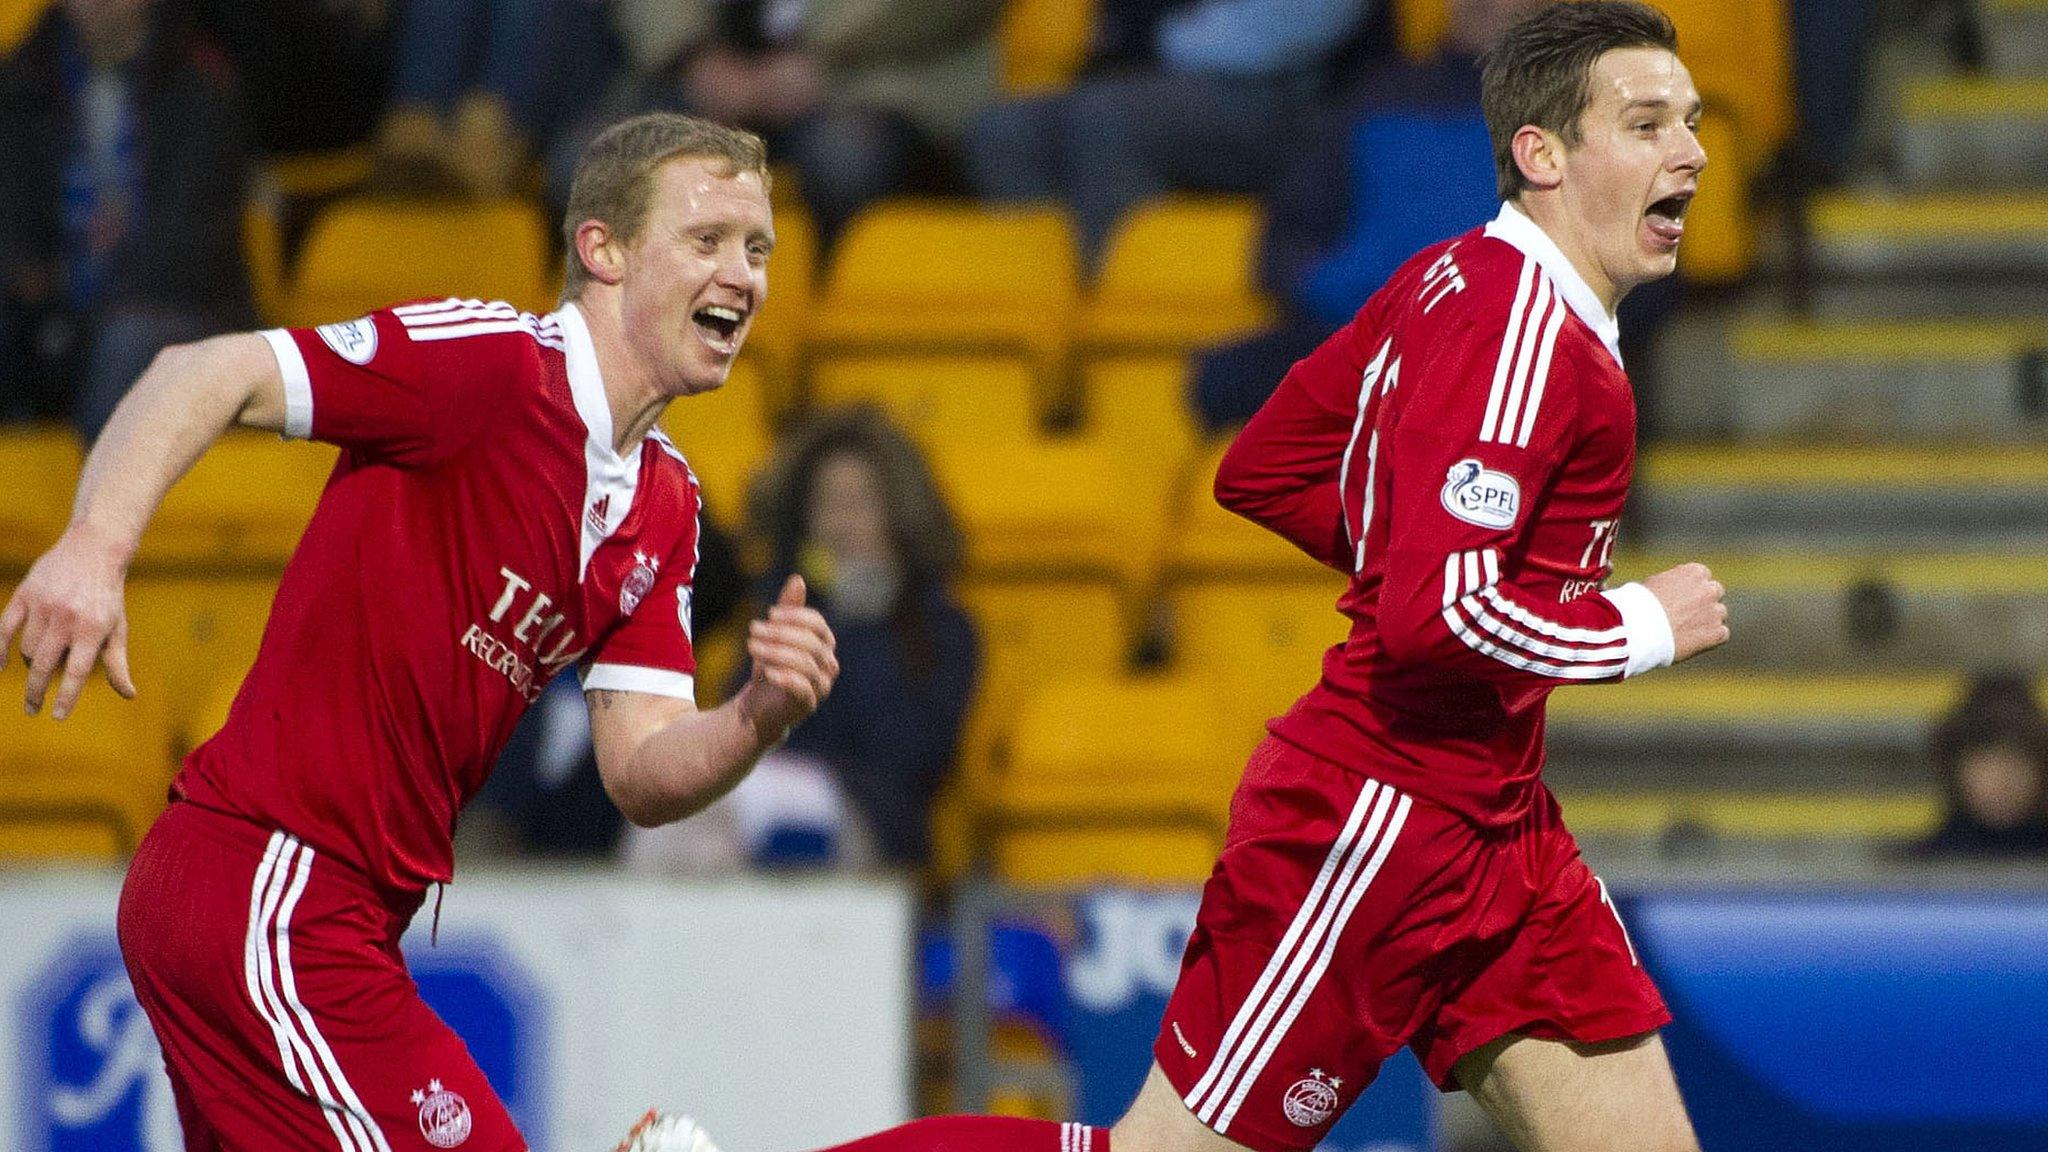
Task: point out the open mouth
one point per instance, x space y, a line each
719 326
1666 217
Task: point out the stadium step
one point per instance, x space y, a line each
1752 815
1930 233
1973 132
1854 499
2015 36
1881 381
1875 613
1704 726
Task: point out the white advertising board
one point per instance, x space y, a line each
779 1012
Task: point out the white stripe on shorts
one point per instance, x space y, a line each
1297 964
308 1061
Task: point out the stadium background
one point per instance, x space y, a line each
1850 393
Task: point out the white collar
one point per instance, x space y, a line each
1515 227
606 473
586 382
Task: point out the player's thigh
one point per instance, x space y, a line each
1158 1121
1555 1095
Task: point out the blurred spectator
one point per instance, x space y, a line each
1197 95
852 506
120 204
865 98
545 796
1831 46
1400 162
479 86
313 71
1991 755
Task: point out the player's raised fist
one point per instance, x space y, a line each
795 664
1692 599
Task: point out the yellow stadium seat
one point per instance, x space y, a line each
1140 405
1032 632
190 638
1208 541
1420 26
776 339
244 505
1044 43
1260 642
1122 730
930 275
82 788
18 18
1115 777
360 255
1180 274
1067 837
937 399
726 437
1048 508
41 464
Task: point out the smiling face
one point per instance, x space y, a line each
696 272
1625 184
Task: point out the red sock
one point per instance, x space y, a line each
983 1134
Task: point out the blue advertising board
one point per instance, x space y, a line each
1118 975
1855 1020
91 1075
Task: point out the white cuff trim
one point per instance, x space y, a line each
1650 643
298 384
632 678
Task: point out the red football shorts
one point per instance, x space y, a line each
1346 919
288 1022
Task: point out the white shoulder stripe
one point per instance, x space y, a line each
1540 310
1541 375
1508 342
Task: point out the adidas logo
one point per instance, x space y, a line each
598 512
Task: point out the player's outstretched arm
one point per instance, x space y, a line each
661 759
68 611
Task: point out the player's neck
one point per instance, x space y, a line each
630 390
1549 213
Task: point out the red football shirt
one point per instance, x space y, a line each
478 535
1462 450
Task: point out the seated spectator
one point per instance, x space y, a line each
120 204
865 98
1402 161
480 86
1192 95
313 71
1991 755
852 507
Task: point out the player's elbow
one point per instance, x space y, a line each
1409 637
1236 487
642 806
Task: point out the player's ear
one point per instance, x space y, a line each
603 256
1540 156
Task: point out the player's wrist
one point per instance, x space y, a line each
115 548
1651 643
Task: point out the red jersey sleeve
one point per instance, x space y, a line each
1283 470
653 649
1490 416
410 384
